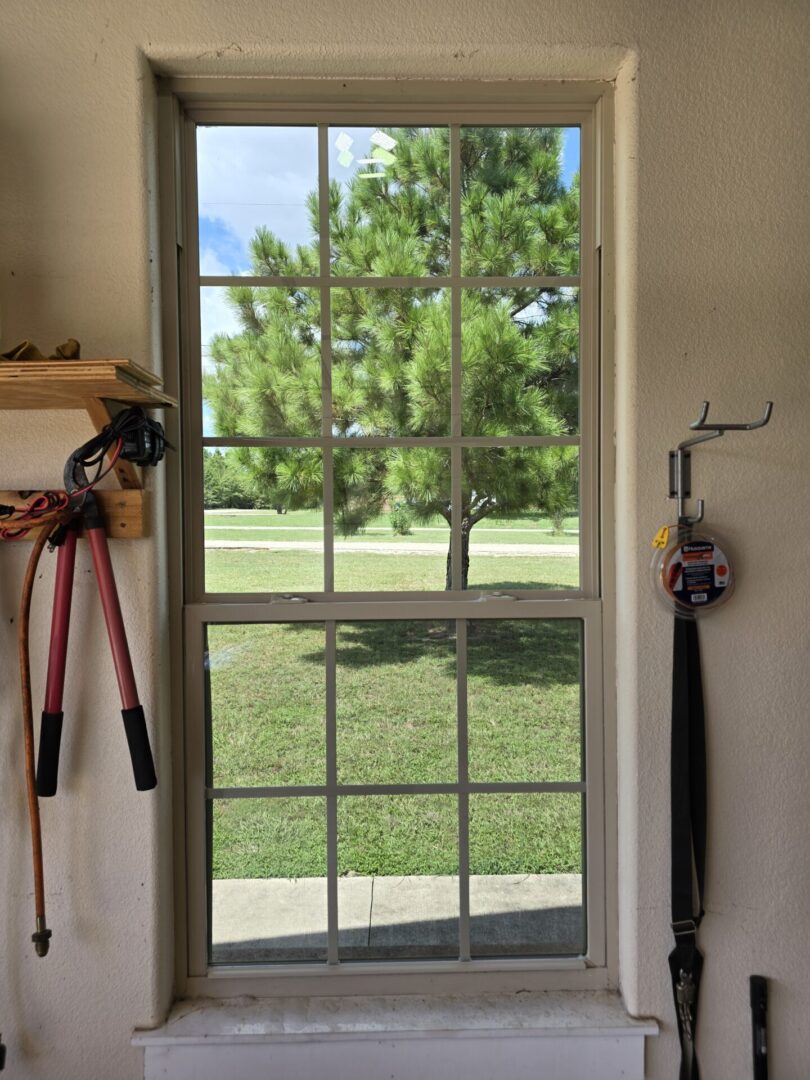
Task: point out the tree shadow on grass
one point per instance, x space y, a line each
509 652
543 586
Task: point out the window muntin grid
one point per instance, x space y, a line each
456 443
327 285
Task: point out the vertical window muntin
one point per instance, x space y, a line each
454 443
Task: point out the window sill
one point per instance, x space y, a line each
566 1035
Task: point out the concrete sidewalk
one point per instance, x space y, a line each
396 917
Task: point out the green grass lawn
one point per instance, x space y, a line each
395 724
290 570
396 709
237 570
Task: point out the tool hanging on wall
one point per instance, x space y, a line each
59 515
758 986
50 734
693 575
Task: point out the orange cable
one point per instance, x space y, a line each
40 937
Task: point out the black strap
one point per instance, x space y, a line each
688 804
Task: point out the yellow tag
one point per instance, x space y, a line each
661 538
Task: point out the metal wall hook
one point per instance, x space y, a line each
701 425
680 468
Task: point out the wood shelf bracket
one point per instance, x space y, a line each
92 385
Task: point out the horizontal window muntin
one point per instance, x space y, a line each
463 281
336 442
392 789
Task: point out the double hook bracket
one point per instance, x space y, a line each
680 459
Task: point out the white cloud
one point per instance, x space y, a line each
211 265
251 176
216 317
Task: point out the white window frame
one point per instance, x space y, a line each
183 104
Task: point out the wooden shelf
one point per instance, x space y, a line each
68 384
89 385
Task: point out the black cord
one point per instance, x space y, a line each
142 442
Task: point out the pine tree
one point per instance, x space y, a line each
391 347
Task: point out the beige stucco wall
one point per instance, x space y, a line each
713 245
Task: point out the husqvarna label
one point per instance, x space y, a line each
697 573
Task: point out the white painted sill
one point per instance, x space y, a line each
536 1034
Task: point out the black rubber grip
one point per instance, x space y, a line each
139 749
50 738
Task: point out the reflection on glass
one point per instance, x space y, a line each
524 700
520 361
398 862
392 519
257 192
263 520
526 874
268 888
393 218
267 703
396 703
520 201
261 361
391 362
521 513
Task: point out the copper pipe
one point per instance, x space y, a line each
42 935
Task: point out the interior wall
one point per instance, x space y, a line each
713 241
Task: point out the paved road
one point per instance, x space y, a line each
370 547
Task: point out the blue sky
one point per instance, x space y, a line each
570 157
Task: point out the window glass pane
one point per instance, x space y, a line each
526 874
520 201
520 361
267 704
257 191
263 520
268 889
391 519
524 700
396 703
520 511
406 847
392 217
391 362
261 361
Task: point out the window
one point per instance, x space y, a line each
392 618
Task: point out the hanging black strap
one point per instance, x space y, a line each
688 799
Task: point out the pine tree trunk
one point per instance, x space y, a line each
465 557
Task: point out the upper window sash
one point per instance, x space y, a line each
325 281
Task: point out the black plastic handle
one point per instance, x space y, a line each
139 749
759 1022
50 739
